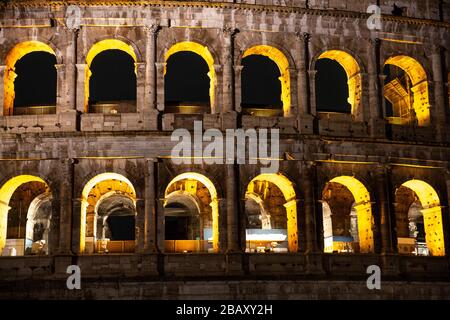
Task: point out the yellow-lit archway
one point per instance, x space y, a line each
214 200
17 53
6 192
418 76
432 215
283 65
203 52
287 188
85 196
353 72
99 47
363 209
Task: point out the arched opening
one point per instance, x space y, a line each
30 80
186 84
25 216
108 211
111 78
338 83
406 92
263 85
419 220
112 83
191 215
347 217
271 215
189 79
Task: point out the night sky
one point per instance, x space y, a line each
113 79
36 83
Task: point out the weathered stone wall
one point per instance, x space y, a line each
71 147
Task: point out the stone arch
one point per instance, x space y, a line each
287 189
33 210
353 68
432 215
6 192
101 46
282 62
419 85
204 52
214 200
362 205
15 54
102 177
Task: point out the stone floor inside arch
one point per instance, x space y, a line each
225 150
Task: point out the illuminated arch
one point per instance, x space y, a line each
214 200
99 47
6 192
287 188
203 52
282 62
33 209
432 215
353 71
85 195
17 53
363 209
418 77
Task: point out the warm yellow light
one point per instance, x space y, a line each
99 47
363 209
193 176
85 199
432 215
203 52
287 188
418 77
283 65
17 53
353 72
6 192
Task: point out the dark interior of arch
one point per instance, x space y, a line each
186 82
181 223
261 87
113 77
35 84
121 226
331 87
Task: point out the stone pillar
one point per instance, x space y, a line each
237 88
232 186
438 111
140 226
293 108
150 79
77 205
312 89
228 77
160 67
308 185
65 198
71 72
2 88
377 122
150 245
141 69
383 185
81 87
302 75
217 102
61 95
